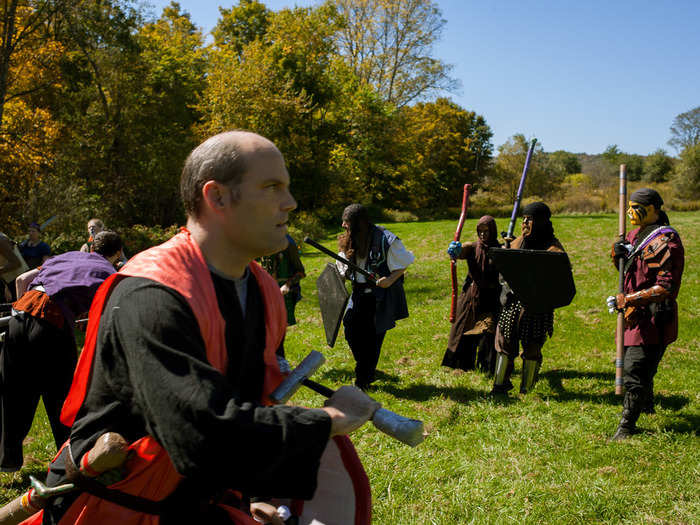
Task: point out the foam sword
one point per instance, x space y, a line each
408 431
369 276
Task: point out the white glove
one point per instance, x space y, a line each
283 512
612 304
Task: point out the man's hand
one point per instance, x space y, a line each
349 408
616 303
454 249
284 289
265 513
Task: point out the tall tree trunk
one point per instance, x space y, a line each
8 35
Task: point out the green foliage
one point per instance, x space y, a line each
139 237
504 178
685 130
686 177
449 147
657 166
241 24
634 163
563 163
304 224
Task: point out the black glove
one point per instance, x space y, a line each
622 249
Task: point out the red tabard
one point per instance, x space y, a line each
180 265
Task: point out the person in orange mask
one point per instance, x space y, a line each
654 260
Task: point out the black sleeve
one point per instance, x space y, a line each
191 409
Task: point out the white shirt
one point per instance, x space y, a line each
397 258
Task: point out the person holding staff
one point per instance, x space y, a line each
653 257
477 305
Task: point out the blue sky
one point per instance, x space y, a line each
577 75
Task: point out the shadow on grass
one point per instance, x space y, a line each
683 424
555 378
388 383
424 392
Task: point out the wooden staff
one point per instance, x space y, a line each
453 262
620 339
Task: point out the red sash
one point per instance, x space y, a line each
180 265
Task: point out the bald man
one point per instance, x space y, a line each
184 358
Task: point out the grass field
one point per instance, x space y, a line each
540 458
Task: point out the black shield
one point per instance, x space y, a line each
332 299
542 280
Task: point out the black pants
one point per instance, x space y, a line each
640 366
38 360
362 337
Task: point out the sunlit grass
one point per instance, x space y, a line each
540 458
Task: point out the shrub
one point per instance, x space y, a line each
304 224
138 237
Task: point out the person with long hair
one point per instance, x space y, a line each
373 309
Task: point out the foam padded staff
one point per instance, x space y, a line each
453 262
620 332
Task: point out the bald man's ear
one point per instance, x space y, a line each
213 195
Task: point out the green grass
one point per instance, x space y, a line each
540 458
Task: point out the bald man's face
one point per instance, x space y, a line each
258 211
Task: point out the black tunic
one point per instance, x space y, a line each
150 376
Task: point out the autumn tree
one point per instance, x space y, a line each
446 147
685 130
287 88
389 45
563 163
241 24
686 176
29 58
504 178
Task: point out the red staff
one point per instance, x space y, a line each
453 262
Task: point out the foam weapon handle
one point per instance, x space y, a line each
453 262
109 452
519 195
21 508
620 339
371 278
406 430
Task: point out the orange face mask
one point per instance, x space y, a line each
641 215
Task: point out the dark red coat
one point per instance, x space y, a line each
660 262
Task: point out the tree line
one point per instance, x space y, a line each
100 102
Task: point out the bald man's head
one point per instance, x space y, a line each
223 158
